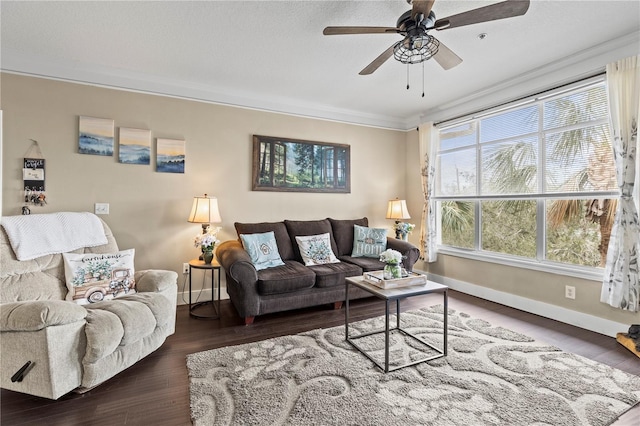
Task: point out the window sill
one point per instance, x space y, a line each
587 273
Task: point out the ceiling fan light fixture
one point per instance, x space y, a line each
416 49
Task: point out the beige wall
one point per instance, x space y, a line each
535 285
149 210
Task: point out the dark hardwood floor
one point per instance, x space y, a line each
155 391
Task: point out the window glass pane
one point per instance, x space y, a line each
510 167
509 226
458 136
520 156
581 107
580 160
457 222
457 173
509 124
578 231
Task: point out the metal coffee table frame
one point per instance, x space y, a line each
389 295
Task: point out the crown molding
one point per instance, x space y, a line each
566 70
562 71
81 73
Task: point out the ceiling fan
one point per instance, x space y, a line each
417 45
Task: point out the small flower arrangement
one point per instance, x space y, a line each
404 228
208 241
391 257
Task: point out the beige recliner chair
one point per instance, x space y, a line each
71 346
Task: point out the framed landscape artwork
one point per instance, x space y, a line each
134 146
170 156
281 164
95 136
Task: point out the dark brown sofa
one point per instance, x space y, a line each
294 285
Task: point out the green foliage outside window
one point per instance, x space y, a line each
522 165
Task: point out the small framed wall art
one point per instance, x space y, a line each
95 136
170 156
134 146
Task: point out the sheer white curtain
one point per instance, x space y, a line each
428 136
621 284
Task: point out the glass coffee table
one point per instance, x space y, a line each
389 295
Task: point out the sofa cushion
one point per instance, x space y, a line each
39 314
104 332
367 264
95 277
368 242
136 318
285 246
302 228
343 234
124 321
262 249
291 276
316 249
333 274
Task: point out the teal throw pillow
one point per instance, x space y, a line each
262 249
368 242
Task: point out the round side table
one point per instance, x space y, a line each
214 267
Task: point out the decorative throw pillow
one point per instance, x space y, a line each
368 242
316 250
93 277
262 249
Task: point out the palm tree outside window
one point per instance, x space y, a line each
533 181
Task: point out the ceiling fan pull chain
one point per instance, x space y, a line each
423 79
407 76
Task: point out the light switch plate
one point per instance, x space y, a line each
101 208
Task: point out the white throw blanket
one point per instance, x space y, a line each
32 236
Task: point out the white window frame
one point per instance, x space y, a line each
539 263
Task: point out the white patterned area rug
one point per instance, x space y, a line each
491 376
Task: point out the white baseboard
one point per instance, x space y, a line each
547 310
567 316
200 296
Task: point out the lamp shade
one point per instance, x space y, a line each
397 209
205 210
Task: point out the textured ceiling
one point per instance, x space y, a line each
272 54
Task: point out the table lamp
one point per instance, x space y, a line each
205 211
397 209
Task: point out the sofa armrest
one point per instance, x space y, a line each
236 262
408 250
155 280
39 314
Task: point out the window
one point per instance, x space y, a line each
534 182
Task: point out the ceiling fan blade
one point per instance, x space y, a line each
446 58
359 30
369 69
505 9
421 6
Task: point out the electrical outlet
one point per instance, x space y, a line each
569 292
101 208
185 268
